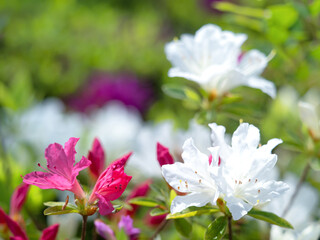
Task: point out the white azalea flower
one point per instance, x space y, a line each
196 177
213 59
245 169
309 109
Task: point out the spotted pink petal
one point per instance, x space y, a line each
112 182
163 155
18 198
97 158
50 233
14 227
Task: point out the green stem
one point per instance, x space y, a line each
230 227
84 227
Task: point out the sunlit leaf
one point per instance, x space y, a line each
57 210
270 218
216 229
193 211
158 212
147 202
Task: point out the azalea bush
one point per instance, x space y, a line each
160 120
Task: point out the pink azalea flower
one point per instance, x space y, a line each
61 173
97 157
163 155
13 226
18 198
110 185
126 223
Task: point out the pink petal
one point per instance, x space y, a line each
47 181
58 162
82 164
163 155
69 149
97 158
50 233
14 227
18 198
105 207
113 181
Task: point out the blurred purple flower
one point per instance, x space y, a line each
208 4
103 88
126 223
104 230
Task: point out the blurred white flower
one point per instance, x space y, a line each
299 214
116 126
144 158
309 109
42 124
244 172
213 59
196 177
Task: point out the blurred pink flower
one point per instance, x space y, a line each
17 200
61 173
97 157
126 223
110 185
163 155
103 88
19 233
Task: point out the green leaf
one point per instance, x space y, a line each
146 202
57 210
315 8
158 212
315 164
270 218
174 91
60 204
193 211
283 16
216 229
121 235
246 11
183 227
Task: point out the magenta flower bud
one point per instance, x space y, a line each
163 155
97 157
18 198
13 226
61 171
50 233
110 185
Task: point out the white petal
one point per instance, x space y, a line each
253 63
218 139
264 85
245 136
237 207
192 156
272 143
312 232
308 115
272 189
180 203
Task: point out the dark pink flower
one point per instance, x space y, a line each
103 88
18 198
50 233
110 185
62 170
126 223
155 220
139 191
13 226
163 155
97 157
